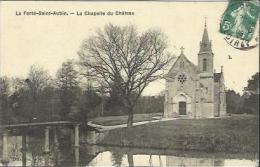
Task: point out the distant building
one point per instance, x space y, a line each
195 91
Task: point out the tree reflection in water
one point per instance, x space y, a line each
117 158
114 156
36 149
14 149
130 159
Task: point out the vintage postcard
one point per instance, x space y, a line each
129 83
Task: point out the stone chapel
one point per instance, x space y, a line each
195 91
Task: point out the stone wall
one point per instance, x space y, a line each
207 110
223 105
174 89
199 89
216 99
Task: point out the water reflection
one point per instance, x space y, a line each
30 151
108 159
116 158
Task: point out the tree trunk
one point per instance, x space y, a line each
130 119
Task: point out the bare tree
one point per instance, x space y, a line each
37 80
123 58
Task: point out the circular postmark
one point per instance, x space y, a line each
239 24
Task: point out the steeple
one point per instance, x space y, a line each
205 44
205 56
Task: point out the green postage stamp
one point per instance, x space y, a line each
239 24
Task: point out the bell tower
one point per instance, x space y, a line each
205 88
205 55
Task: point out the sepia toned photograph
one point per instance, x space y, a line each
129 83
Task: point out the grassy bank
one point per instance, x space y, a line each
233 134
117 120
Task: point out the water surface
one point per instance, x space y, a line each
85 155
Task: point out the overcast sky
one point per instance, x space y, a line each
49 40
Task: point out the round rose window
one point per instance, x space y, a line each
182 78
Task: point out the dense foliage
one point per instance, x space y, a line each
248 102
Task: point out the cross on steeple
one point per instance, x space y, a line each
205 25
182 48
205 44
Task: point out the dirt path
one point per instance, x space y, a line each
105 128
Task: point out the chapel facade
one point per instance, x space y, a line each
195 91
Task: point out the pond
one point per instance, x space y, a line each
87 155
114 159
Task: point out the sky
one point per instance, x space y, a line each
50 40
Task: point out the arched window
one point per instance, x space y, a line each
204 64
182 65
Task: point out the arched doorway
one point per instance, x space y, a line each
182 108
182 105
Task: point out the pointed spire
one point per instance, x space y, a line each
205 44
205 25
205 37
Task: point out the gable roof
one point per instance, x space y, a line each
182 55
174 70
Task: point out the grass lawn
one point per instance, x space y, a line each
117 120
234 134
